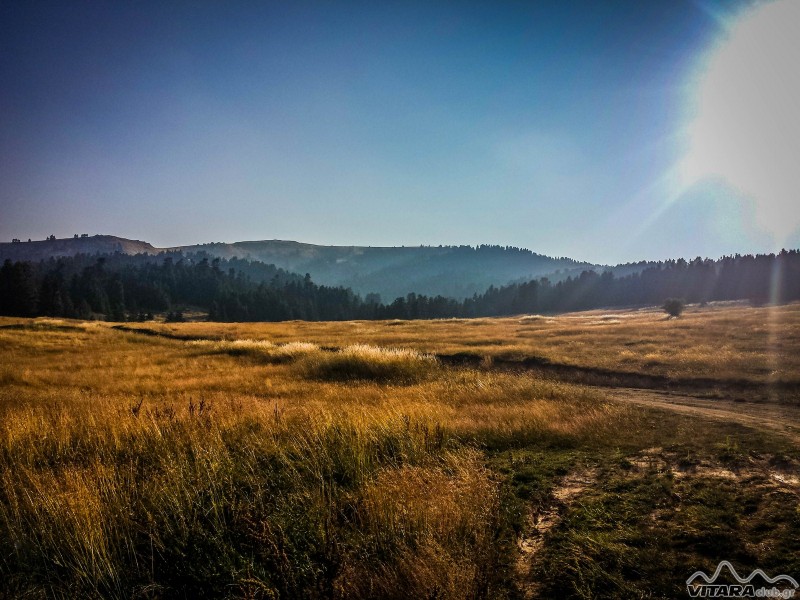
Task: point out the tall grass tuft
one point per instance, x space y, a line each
369 363
178 504
259 350
436 523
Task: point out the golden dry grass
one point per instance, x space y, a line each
135 462
723 340
312 459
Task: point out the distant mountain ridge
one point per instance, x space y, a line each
452 271
95 244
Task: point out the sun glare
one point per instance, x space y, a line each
745 128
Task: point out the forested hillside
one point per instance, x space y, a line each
121 287
454 271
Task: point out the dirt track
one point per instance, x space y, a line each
755 403
764 415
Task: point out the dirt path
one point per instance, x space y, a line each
783 420
540 520
763 415
743 389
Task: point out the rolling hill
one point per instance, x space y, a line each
96 244
453 271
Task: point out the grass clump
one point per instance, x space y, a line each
263 351
369 363
439 523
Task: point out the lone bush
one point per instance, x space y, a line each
674 307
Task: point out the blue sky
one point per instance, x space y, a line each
556 126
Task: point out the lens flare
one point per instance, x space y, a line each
746 123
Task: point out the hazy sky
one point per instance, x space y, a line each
607 131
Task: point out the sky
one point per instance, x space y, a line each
604 131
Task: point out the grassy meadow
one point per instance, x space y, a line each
353 460
725 341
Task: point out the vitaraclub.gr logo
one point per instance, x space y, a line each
757 585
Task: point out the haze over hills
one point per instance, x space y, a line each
453 271
97 244
214 281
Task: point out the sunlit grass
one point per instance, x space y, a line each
306 459
368 363
199 467
262 350
726 341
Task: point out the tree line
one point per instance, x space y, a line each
121 287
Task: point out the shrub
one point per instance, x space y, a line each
674 307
